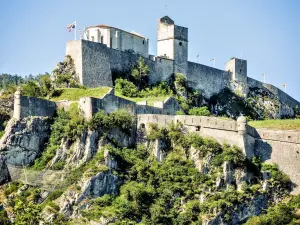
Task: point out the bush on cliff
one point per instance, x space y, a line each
283 213
199 111
118 119
126 88
140 72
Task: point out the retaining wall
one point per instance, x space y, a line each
282 148
25 106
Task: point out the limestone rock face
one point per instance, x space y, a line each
242 212
24 140
4 173
102 183
87 145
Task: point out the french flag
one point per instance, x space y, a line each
71 26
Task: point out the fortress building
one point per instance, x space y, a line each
108 50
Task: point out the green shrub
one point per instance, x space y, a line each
158 90
118 119
12 187
55 194
140 72
180 82
31 89
201 111
126 88
278 177
58 165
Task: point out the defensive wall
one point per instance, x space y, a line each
274 146
25 106
109 103
95 64
281 147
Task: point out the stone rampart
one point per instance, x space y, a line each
282 148
25 106
273 146
207 79
109 103
95 63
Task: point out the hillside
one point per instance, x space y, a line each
113 181
115 168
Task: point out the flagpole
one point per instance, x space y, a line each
75 30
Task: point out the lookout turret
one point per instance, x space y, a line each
172 43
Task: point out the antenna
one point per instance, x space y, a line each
166 7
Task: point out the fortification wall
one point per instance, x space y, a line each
207 79
74 49
109 103
25 106
282 148
95 63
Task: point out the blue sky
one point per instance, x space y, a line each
264 32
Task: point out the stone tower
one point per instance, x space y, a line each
238 71
172 43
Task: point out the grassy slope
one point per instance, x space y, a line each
289 124
74 94
150 100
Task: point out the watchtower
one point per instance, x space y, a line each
172 43
238 71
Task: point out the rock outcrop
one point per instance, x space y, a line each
102 183
24 140
4 173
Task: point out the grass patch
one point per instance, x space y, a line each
74 94
288 124
150 100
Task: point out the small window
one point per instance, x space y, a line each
102 39
180 43
159 60
142 126
143 42
198 128
240 70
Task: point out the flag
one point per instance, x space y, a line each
71 26
283 85
263 75
213 59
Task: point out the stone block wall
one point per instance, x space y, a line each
282 148
95 63
207 80
110 103
25 106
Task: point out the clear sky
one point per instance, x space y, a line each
264 32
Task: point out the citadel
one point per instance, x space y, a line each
108 50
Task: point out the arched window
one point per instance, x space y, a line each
180 43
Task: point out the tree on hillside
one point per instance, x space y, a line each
31 89
45 84
140 71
